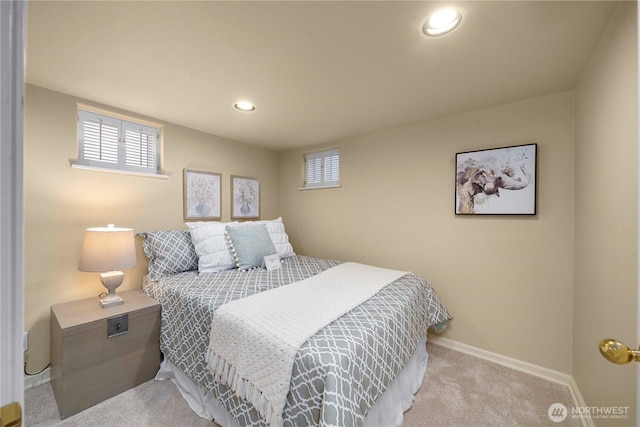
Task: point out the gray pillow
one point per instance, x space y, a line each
169 252
249 244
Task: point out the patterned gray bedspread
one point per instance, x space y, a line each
338 373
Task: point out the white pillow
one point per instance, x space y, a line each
279 237
211 246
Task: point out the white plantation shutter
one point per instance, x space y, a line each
140 146
314 170
98 139
322 169
107 142
332 168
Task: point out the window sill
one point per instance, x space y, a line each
319 188
120 172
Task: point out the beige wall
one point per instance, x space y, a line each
606 218
508 281
60 202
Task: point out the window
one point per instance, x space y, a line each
112 143
322 169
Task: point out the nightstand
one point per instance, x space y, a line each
98 353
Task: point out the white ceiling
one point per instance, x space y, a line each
317 71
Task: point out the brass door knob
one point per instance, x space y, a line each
616 352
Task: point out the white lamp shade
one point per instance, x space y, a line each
107 249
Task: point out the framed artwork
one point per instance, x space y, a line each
201 195
498 181
245 198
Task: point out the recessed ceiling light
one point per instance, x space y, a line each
244 106
442 21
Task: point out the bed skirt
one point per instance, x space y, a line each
387 410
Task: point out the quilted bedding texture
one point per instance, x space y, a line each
337 374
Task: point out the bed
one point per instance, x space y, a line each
360 369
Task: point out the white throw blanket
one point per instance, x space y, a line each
254 340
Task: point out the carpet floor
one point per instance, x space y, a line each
459 390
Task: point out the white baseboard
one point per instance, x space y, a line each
32 381
519 365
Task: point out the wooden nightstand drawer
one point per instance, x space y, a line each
87 365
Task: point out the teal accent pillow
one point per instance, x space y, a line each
249 244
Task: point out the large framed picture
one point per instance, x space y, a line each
201 195
498 181
245 198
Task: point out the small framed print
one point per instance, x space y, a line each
498 181
201 195
245 198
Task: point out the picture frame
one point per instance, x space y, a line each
245 197
497 181
201 195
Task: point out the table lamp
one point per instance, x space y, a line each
108 250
